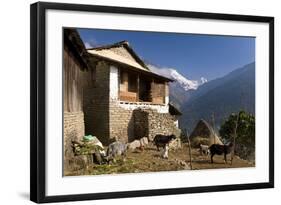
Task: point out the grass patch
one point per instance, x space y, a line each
149 161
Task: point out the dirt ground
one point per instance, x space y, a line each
149 160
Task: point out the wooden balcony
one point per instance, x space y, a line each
128 96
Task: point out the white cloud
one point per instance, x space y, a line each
87 45
161 71
91 43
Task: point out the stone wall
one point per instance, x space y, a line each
149 122
121 123
128 125
119 119
73 125
73 130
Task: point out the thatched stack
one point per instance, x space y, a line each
204 134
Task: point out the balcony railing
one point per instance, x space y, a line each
128 96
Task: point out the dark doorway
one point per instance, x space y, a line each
145 90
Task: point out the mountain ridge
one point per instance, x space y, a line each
221 97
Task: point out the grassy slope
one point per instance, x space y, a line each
149 160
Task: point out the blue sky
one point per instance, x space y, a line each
193 55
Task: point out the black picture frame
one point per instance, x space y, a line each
38 101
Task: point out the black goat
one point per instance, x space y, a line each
163 140
221 149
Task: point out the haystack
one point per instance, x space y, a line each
204 134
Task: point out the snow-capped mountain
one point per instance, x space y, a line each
203 80
185 83
220 97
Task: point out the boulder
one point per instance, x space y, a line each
93 140
134 145
175 144
90 147
144 142
183 164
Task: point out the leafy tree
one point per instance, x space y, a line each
245 133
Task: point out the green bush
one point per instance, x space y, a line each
245 141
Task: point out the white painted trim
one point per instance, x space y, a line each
136 105
113 82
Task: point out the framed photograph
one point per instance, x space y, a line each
129 102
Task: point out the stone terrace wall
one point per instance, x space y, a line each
128 125
149 122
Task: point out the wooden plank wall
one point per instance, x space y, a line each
74 81
158 92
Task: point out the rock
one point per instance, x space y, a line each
183 164
175 144
134 145
91 148
144 142
95 141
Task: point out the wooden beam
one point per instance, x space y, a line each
138 87
152 87
119 83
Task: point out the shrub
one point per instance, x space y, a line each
245 140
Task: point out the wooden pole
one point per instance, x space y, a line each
213 127
189 148
138 87
234 137
152 90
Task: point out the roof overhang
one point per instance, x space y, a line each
131 66
174 110
74 42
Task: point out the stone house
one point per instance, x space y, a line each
127 101
109 92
